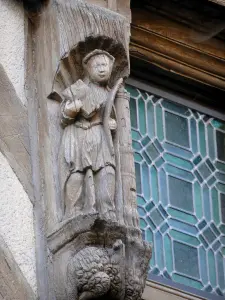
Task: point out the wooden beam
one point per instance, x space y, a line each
14 136
220 2
13 285
171 46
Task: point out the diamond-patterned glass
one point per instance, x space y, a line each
180 171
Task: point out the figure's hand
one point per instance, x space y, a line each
112 124
72 107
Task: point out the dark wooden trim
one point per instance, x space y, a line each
169 44
176 97
13 285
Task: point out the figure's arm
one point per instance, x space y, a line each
69 110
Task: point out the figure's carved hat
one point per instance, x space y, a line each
97 52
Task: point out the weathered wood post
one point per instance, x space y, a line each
89 244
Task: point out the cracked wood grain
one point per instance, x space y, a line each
14 137
13 285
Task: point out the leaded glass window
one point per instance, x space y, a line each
180 172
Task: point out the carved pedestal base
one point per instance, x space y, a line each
94 258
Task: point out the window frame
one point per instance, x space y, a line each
176 97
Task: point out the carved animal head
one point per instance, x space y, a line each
98 66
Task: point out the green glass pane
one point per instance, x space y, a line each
220 177
141 201
203 265
176 108
146 157
143 223
212 268
163 187
206 203
156 217
152 151
220 187
187 281
149 235
177 161
159 123
202 139
197 200
137 157
220 141
177 129
168 253
211 142
145 181
154 184
222 204
133 91
150 119
220 166
133 113
159 253
220 268
217 124
138 178
136 145
182 215
223 251
222 229
178 151
178 187
141 211
204 171
215 206
184 227
194 140
179 172
186 259
209 235
182 237
145 140
135 135
142 117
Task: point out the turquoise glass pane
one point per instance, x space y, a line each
178 187
141 116
159 122
180 175
186 259
177 161
133 113
202 138
220 142
177 129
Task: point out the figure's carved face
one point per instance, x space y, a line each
99 68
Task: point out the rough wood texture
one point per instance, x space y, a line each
13 285
14 135
172 45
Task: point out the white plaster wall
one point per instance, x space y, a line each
16 222
12 43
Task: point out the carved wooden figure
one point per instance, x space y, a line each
85 178
89 183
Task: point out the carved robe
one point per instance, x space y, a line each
84 145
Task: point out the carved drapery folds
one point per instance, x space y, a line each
93 233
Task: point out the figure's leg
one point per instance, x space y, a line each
105 192
89 193
73 194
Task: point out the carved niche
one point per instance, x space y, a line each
93 233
